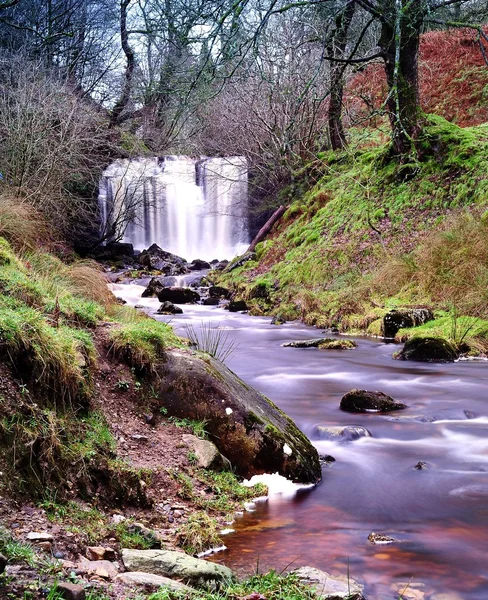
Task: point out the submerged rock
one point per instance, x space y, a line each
404 317
330 587
194 571
278 320
322 343
366 401
247 428
168 308
428 349
378 538
178 295
348 433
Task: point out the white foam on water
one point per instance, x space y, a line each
211 551
277 485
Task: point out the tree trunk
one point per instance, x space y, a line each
266 228
130 65
337 49
399 41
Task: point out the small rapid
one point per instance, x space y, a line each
438 513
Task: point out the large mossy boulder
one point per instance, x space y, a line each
428 349
254 434
177 565
367 401
395 320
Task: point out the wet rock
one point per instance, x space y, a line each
239 261
326 459
378 538
408 590
168 308
221 265
366 401
178 295
199 265
115 251
404 317
194 571
348 433
3 563
70 591
278 320
157 258
428 349
247 428
217 291
322 343
207 453
154 287
412 418
421 466
211 302
329 586
150 580
237 306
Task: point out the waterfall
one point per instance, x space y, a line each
195 208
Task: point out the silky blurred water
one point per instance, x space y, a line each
438 515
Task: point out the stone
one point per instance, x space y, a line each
152 580
397 319
70 591
46 546
103 568
115 251
378 538
421 466
207 453
323 343
3 563
332 587
211 302
237 306
95 552
338 433
221 265
239 261
428 349
39 536
246 427
168 563
153 288
217 291
366 401
178 295
199 265
278 320
157 258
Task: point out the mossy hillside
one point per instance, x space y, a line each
358 242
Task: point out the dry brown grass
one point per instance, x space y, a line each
21 224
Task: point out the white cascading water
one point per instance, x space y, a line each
195 208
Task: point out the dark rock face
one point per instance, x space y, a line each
154 287
237 305
366 401
217 291
178 295
247 428
278 320
199 265
3 563
220 266
404 317
428 350
348 433
210 302
168 308
157 258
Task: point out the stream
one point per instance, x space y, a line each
439 516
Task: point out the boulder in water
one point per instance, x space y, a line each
217 291
278 320
210 302
366 401
157 258
323 344
428 349
199 265
154 287
168 308
237 306
178 295
247 428
338 433
404 317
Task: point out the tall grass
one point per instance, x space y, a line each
212 340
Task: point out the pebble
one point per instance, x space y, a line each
39 536
58 554
71 591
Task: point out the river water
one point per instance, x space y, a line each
438 515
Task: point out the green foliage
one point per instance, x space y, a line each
199 533
83 520
16 551
129 537
142 342
197 427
